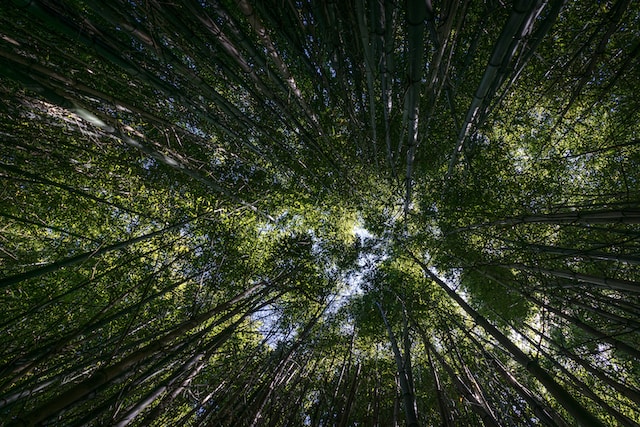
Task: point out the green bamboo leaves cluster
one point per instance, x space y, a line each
259 213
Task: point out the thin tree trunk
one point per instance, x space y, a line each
575 408
41 180
546 414
257 414
344 417
621 216
629 323
108 374
578 383
408 395
477 402
440 394
515 28
601 282
161 407
630 393
582 253
24 364
31 274
620 345
416 15
369 65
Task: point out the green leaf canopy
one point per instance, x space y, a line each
349 213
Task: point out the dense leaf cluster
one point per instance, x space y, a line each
319 213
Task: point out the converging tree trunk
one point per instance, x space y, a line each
209 210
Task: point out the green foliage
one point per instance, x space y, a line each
205 205
494 293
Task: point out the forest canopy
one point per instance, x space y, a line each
319 213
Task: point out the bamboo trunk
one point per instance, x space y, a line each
575 408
